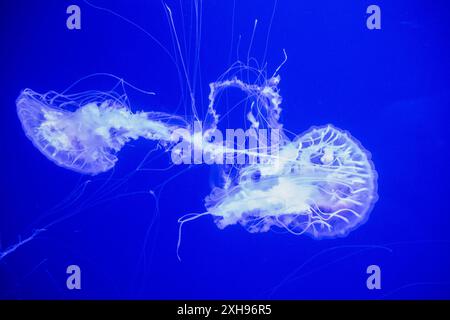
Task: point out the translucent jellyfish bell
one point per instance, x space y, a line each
61 137
323 184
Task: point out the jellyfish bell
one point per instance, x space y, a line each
342 171
322 184
69 139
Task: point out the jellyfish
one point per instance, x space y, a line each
84 132
321 183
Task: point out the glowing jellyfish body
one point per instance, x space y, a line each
323 183
86 139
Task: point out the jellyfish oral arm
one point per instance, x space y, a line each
268 100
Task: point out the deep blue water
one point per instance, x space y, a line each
388 87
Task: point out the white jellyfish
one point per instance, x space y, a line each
323 183
84 132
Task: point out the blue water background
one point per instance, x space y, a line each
388 87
